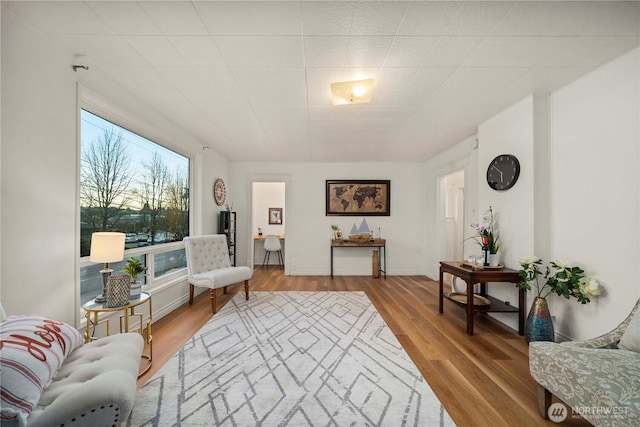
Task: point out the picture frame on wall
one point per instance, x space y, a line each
358 197
275 216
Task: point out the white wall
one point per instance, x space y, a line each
509 132
308 229
40 151
595 140
578 196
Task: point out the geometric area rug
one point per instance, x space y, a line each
291 359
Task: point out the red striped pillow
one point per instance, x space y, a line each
32 349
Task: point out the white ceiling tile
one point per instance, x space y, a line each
367 51
545 80
60 17
478 18
284 51
616 19
394 78
575 52
428 18
126 18
410 51
378 17
276 17
175 17
329 113
325 51
226 18
242 51
451 51
513 51
197 51
464 79
318 84
551 18
156 50
102 49
425 83
327 18
180 77
611 51
290 86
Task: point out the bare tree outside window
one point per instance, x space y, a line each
106 176
153 193
132 185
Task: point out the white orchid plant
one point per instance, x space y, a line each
560 278
487 234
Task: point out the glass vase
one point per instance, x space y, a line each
539 326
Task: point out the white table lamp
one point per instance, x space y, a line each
106 247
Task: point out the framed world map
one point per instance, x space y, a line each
358 197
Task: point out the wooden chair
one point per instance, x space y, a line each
209 266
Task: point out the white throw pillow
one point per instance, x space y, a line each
631 337
32 349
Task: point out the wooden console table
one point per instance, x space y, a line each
362 243
471 277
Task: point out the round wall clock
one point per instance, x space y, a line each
503 172
219 191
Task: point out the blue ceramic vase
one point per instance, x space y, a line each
539 326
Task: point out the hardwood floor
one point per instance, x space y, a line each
482 380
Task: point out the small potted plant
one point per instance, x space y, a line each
337 233
134 268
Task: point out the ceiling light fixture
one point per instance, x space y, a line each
353 92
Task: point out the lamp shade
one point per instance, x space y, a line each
107 247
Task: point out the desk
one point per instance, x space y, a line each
93 309
362 243
471 277
260 238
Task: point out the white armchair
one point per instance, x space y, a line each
209 266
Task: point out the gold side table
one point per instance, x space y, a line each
93 310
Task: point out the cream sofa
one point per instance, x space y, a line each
50 378
596 377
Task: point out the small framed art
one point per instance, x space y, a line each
275 215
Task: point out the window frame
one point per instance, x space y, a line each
97 106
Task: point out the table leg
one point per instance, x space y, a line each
87 336
441 296
521 309
332 262
469 308
385 261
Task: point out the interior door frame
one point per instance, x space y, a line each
283 178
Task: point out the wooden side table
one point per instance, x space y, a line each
362 243
471 277
93 310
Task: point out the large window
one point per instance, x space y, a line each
131 185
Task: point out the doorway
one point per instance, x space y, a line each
452 213
268 217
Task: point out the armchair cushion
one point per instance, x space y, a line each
630 339
208 263
221 277
32 349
